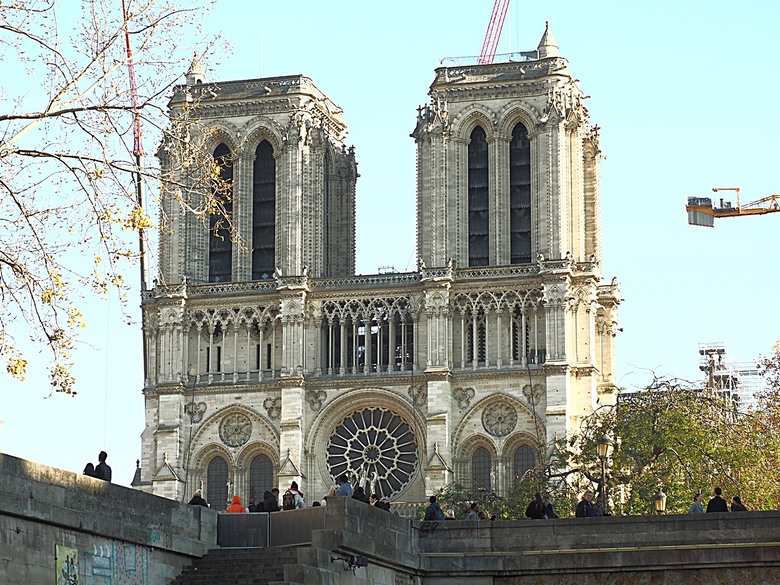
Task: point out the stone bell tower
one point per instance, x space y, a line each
508 194
288 182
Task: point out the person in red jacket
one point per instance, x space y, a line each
236 505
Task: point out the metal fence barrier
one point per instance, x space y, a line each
260 530
295 526
243 530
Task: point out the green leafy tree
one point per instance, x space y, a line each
511 506
684 439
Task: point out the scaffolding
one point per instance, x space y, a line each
737 381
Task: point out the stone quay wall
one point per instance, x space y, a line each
739 549
121 535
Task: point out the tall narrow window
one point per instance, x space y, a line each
216 483
261 477
520 196
525 460
220 244
481 466
264 212
479 209
330 216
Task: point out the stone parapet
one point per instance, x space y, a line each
116 530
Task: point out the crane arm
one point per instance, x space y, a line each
493 33
701 211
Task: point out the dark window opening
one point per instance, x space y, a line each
481 466
257 356
208 360
479 208
220 242
534 342
385 340
268 357
479 346
525 460
520 196
264 212
216 483
261 477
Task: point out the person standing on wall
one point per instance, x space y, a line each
717 503
586 509
697 507
103 471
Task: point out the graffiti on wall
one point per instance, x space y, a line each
116 563
66 563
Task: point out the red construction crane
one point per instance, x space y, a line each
138 149
493 33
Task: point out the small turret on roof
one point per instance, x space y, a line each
548 47
195 74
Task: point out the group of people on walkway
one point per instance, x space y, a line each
717 503
587 509
538 509
102 470
293 498
343 488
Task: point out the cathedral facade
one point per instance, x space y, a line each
268 360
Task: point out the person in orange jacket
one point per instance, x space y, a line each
236 505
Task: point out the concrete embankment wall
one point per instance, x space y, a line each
739 549
120 535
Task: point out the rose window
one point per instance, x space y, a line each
376 447
499 419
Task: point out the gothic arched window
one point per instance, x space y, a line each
525 460
220 244
479 208
520 196
216 483
481 465
264 212
261 477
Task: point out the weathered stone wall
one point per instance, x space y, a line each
710 548
740 549
124 536
121 535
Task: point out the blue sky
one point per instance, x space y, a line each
684 94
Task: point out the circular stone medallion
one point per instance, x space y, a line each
499 419
235 429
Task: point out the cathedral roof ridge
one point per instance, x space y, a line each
503 73
242 89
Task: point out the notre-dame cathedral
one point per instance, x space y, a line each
268 360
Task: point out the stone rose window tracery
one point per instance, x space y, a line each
235 429
499 419
374 445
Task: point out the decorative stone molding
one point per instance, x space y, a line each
533 394
370 281
315 398
273 406
419 395
195 411
463 396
